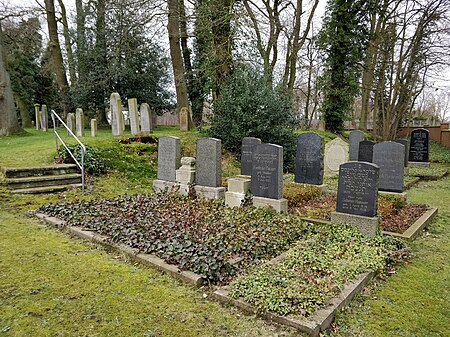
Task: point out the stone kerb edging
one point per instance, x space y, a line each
319 321
416 228
410 234
132 253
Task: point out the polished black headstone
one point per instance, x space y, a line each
389 156
309 159
365 151
354 139
267 171
419 146
405 143
358 189
248 143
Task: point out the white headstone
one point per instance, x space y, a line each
79 116
93 127
336 153
146 118
117 121
133 114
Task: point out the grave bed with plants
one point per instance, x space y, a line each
231 246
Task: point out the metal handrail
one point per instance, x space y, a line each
83 148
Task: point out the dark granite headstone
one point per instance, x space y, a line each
169 156
389 156
365 151
209 162
355 137
405 143
267 171
248 143
309 159
358 189
419 146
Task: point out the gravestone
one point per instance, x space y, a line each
117 120
309 159
184 119
208 175
185 175
79 121
267 177
389 156
146 120
405 143
365 151
37 114
336 153
248 144
355 137
71 123
419 147
93 128
357 197
133 115
169 156
44 118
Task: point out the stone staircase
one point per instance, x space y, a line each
41 179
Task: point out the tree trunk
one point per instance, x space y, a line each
24 113
56 56
81 41
68 43
101 63
8 117
175 54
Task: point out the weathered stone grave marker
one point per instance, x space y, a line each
37 115
419 147
208 176
389 156
365 151
117 120
44 118
93 128
133 115
184 119
354 140
79 120
267 177
185 175
357 197
336 153
405 143
71 123
309 159
248 144
169 156
146 120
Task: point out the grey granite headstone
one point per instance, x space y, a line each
309 159
79 120
419 146
389 156
146 119
248 144
169 157
133 115
267 171
365 151
117 120
70 122
405 143
358 189
209 162
355 137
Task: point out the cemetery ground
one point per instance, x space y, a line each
100 294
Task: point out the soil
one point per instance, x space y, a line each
141 139
394 219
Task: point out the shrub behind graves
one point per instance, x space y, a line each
249 107
297 194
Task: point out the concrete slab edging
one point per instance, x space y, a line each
132 253
319 321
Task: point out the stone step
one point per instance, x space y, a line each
38 171
45 189
41 181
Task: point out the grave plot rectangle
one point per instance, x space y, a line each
358 189
169 157
267 171
389 156
209 162
248 143
419 147
309 159
354 140
365 152
405 143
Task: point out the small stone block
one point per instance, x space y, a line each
399 196
209 192
367 225
417 163
239 184
234 199
279 205
185 176
164 185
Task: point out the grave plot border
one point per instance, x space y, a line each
132 253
